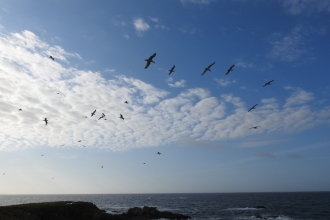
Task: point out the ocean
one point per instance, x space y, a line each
283 206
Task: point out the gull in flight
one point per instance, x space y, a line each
208 68
158 153
51 57
126 102
268 83
45 120
230 69
255 127
20 109
93 113
253 107
121 116
171 70
103 115
149 60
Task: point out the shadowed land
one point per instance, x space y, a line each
68 210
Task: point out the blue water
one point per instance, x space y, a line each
307 205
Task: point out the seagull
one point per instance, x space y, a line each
208 68
42 155
20 109
230 69
171 70
102 167
79 141
45 120
144 163
126 102
149 60
121 116
253 107
93 113
103 115
255 127
3 173
51 57
158 153
268 83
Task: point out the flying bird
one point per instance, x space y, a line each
79 141
102 167
171 70
268 83
126 102
121 116
3 173
255 127
149 60
20 109
253 107
51 57
208 68
230 69
103 115
158 153
45 120
42 155
93 113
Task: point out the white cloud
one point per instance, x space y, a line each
153 117
298 97
296 7
140 25
126 36
289 47
223 82
170 83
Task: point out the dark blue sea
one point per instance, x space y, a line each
302 205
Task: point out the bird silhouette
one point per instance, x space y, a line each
3 173
230 69
79 141
20 109
121 116
171 70
208 68
149 60
45 120
102 167
253 107
158 153
255 127
103 115
126 102
268 83
93 113
51 57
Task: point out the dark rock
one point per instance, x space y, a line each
260 207
69 210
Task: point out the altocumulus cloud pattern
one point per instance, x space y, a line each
43 88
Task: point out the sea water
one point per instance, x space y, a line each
282 206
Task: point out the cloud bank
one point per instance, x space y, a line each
44 88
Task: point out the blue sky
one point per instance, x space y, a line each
200 124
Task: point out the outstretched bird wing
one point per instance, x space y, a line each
211 65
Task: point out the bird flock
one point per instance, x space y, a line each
208 68
148 62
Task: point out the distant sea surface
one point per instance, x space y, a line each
302 205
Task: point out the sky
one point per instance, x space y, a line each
201 124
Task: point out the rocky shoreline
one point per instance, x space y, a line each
69 210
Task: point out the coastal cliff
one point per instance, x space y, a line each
68 210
